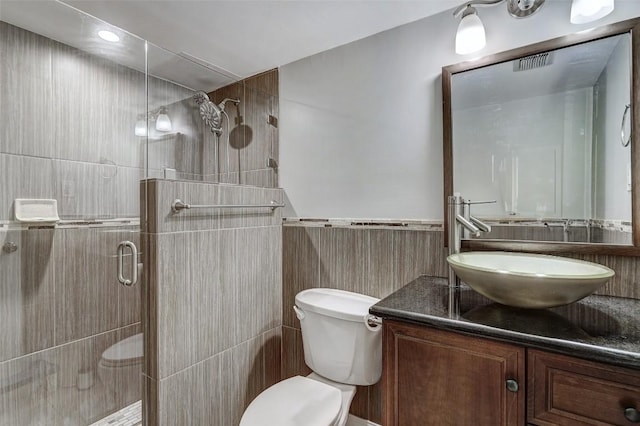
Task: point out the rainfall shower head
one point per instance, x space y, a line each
210 112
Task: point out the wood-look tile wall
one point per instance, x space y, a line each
377 262
252 139
67 128
213 294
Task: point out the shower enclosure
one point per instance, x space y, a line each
82 121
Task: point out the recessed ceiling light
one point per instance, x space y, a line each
108 36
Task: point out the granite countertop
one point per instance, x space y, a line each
600 328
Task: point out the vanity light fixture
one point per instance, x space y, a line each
108 36
471 38
471 35
161 118
163 122
141 126
584 11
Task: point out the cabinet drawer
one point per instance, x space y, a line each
569 391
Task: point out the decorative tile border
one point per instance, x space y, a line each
409 224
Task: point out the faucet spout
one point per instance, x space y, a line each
475 230
480 224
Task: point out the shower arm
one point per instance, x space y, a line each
221 104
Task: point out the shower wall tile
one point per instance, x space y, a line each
342 259
23 177
300 266
43 387
28 387
243 368
219 388
266 82
86 190
89 298
189 306
96 103
419 253
26 292
266 178
26 121
381 263
161 219
626 281
203 383
128 192
272 354
215 308
250 140
293 354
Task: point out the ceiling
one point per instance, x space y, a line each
570 68
244 37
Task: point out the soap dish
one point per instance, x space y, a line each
31 210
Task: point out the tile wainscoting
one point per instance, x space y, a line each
212 301
376 258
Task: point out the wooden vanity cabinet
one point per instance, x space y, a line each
439 378
436 377
563 390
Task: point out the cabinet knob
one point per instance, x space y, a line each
632 415
512 385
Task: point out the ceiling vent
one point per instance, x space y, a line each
532 62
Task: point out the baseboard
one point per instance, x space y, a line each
357 421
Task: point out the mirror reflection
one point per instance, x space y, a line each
545 137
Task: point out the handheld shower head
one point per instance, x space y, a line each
210 112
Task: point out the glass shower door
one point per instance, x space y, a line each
70 342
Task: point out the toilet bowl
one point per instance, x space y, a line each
120 368
340 348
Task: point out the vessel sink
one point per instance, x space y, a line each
529 280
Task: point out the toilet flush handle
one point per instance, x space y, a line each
372 322
299 312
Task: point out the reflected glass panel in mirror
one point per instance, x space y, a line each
541 135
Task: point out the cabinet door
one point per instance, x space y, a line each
570 391
434 377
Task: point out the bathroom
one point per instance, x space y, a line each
362 189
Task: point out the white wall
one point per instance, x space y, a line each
613 200
361 124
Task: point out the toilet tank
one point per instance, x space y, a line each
337 343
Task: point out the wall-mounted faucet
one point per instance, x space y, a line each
459 217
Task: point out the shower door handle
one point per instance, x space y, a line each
134 263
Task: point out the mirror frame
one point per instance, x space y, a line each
631 26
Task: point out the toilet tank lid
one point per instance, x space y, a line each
335 303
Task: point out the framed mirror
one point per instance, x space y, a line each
545 131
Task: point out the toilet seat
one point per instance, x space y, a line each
298 401
125 352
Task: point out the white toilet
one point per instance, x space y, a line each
120 368
342 350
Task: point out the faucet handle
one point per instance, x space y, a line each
480 202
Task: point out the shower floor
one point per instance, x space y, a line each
128 416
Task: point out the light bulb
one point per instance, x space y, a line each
163 122
470 36
141 127
584 11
